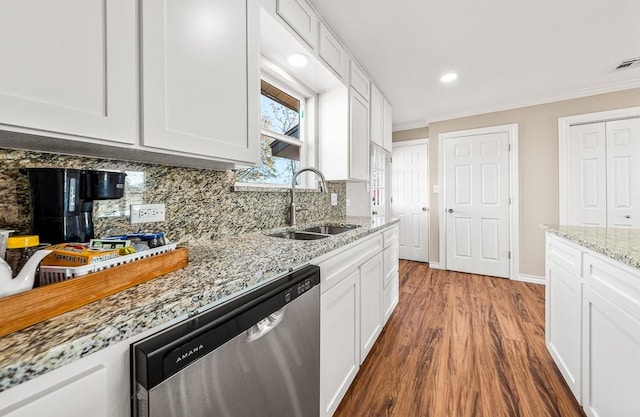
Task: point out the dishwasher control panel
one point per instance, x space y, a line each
299 289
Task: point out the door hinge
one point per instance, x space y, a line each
508 147
509 200
391 159
390 199
509 254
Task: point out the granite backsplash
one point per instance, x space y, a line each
200 204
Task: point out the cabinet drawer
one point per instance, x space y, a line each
618 282
332 53
565 254
302 19
359 81
390 236
335 268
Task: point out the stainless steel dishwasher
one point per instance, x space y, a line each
255 355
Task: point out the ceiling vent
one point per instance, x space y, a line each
628 63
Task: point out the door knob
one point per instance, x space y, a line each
450 211
425 209
627 216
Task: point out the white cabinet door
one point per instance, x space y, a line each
69 68
200 78
371 314
611 358
387 129
390 296
80 396
623 172
564 323
377 116
359 81
302 19
358 138
332 52
339 341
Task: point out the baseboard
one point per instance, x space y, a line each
533 279
434 265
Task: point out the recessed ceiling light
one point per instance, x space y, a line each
298 59
447 78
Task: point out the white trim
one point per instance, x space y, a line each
532 279
419 124
564 126
435 265
424 141
514 219
609 88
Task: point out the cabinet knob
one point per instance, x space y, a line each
627 216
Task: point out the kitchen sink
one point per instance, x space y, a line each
299 235
330 230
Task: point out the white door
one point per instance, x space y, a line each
410 198
476 170
587 175
623 173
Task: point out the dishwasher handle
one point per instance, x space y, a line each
265 325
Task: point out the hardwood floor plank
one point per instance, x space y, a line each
461 345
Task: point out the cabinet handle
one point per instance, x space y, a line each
425 209
450 211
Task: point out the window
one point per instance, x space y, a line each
379 181
282 137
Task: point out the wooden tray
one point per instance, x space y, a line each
39 304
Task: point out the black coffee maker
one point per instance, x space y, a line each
62 201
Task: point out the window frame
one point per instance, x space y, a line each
277 77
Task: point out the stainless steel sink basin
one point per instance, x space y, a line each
330 230
299 235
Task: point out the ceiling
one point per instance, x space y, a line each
508 53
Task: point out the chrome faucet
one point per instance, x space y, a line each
323 189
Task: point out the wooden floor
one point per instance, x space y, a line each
461 345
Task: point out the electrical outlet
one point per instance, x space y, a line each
147 213
334 199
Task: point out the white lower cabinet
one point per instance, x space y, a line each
611 358
370 304
593 327
354 305
80 395
340 343
564 313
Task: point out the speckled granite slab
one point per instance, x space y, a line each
620 244
217 269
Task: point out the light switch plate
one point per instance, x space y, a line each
147 213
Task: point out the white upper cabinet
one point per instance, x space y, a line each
200 79
376 105
359 81
359 138
387 125
301 17
69 68
332 53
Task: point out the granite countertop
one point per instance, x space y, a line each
620 244
218 269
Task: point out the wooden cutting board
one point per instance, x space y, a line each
39 304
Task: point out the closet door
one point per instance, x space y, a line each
623 172
587 176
